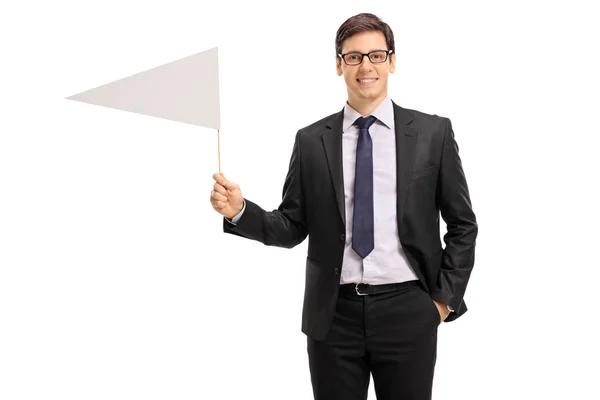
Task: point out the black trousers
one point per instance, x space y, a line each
392 336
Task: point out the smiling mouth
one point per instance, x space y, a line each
366 81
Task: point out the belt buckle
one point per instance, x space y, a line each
357 291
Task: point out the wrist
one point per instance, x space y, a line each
240 208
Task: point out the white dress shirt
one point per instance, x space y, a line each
387 263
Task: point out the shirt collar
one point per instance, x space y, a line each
384 113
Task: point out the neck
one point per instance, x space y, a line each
365 106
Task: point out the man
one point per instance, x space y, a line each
367 185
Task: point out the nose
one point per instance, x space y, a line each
365 63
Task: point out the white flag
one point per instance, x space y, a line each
186 90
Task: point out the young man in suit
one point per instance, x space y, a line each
367 186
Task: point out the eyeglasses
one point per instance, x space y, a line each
356 58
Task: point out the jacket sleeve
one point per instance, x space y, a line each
455 208
284 227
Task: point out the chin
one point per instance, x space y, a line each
368 95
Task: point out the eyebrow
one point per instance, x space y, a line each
356 51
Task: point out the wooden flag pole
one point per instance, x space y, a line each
219 147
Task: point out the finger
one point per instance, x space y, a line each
220 178
219 205
213 199
218 196
220 189
230 185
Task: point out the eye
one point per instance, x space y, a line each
378 56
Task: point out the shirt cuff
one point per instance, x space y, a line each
235 219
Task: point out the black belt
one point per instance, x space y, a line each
363 289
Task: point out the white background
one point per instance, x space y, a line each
116 280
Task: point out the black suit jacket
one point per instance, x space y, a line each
430 182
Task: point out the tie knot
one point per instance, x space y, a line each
365 122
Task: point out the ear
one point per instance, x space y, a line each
392 62
338 66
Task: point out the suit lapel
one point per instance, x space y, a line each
332 141
406 139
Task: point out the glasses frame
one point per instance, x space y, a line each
387 54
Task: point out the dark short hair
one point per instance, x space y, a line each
364 22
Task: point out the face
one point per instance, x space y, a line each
366 82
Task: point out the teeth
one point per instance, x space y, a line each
366 80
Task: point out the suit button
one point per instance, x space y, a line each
342 237
337 271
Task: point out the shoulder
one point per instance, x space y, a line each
322 125
421 117
422 120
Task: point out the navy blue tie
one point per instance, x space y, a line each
363 240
